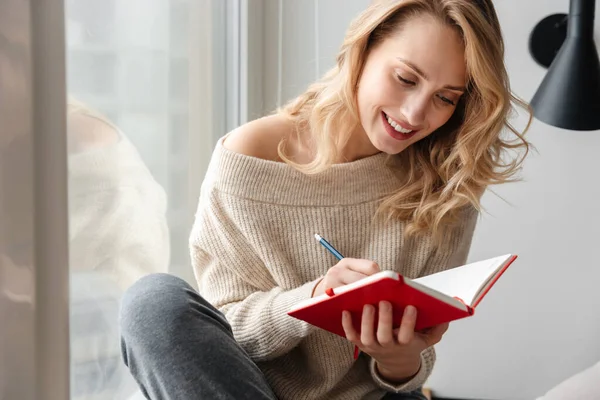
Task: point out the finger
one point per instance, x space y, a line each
407 326
349 276
435 334
366 267
384 324
341 274
367 326
349 330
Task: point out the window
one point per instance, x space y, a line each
150 86
145 104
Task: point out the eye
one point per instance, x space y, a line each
447 100
405 81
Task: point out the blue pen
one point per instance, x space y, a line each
339 256
329 247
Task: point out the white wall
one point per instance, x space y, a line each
540 323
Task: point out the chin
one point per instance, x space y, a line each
381 141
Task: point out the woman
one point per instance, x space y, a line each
387 156
117 233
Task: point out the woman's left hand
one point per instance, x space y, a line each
396 351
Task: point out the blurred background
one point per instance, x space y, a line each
91 201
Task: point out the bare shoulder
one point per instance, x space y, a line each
259 138
86 132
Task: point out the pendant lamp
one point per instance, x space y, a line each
569 95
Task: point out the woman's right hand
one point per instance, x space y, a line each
348 270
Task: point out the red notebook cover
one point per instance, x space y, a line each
433 307
327 314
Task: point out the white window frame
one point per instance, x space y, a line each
243 56
233 36
251 60
207 114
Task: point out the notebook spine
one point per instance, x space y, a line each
470 309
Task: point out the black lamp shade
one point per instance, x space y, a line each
569 95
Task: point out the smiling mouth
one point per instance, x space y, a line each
396 126
395 130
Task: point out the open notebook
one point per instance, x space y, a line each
441 297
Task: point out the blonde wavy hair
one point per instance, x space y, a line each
448 171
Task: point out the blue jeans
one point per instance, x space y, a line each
178 346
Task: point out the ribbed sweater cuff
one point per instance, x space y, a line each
415 383
287 300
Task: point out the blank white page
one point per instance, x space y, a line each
466 281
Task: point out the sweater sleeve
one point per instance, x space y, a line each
427 362
451 254
236 281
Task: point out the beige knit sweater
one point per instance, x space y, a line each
254 255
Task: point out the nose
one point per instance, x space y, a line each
415 107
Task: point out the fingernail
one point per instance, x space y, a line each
410 311
367 309
384 306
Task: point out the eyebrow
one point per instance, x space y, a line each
420 72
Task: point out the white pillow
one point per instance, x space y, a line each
584 385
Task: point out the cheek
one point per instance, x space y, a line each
386 93
377 92
439 118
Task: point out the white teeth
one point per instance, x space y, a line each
397 127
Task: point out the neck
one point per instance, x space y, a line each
301 149
358 146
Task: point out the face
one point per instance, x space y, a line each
410 84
